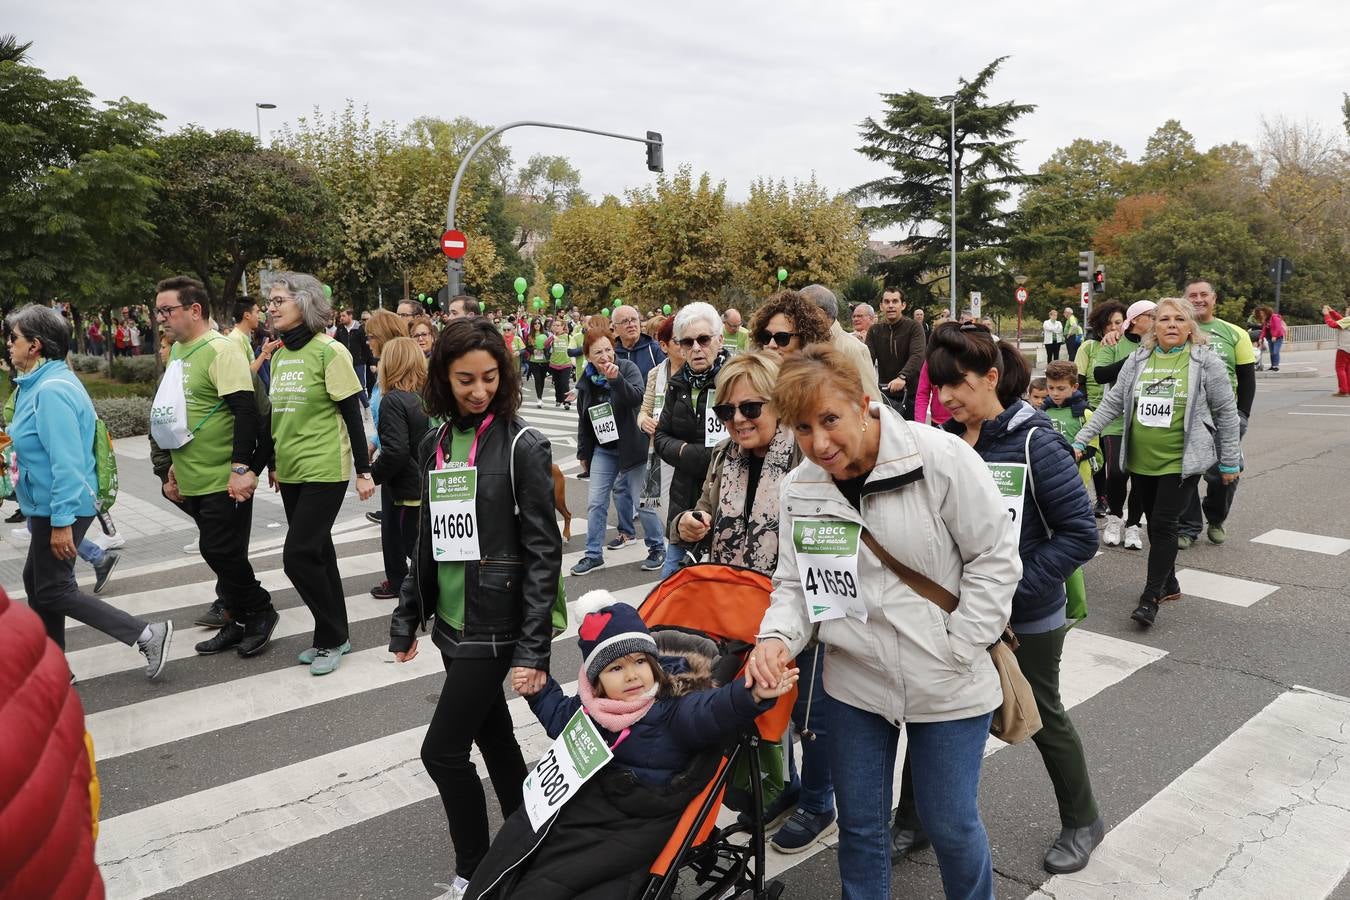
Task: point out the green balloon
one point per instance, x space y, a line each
605 313
557 291
617 303
521 285
327 291
520 298
536 301
782 274
421 298
666 309
558 303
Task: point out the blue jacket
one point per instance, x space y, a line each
624 394
645 354
1062 500
664 741
53 433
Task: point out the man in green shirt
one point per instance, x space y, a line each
1073 332
215 472
1234 346
735 336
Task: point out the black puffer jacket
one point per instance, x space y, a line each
509 593
403 425
680 439
624 394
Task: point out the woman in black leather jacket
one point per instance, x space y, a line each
484 578
402 425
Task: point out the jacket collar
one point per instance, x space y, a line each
45 368
898 464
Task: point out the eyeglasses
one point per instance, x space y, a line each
277 301
421 334
407 315
702 340
748 408
163 312
619 323
781 338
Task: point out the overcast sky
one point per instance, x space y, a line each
739 89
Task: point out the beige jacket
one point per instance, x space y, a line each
932 503
857 353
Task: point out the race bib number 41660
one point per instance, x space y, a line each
827 562
453 493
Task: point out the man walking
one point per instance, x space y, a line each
638 348
1073 333
897 346
1234 346
206 416
735 336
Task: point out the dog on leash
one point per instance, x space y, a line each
560 501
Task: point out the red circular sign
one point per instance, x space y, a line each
454 244
1020 294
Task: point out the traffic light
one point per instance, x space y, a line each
655 152
1099 281
1086 265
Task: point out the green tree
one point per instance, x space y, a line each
545 186
677 242
12 51
586 252
912 137
1181 243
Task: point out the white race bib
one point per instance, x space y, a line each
168 412
713 428
827 562
453 492
602 420
1155 411
1011 479
577 754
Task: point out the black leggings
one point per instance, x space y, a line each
472 709
398 536
560 381
309 559
1117 479
1163 497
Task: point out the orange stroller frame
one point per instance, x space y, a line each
725 603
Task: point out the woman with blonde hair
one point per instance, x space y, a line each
403 423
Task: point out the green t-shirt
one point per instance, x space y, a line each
213 366
311 439
243 341
1154 450
1071 327
575 342
1232 343
1108 356
737 340
557 357
539 342
1066 423
1086 361
450 575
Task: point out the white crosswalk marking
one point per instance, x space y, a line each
1298 540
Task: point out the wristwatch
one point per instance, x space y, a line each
239 470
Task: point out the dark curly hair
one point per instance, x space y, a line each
807 320
1100 317
461 336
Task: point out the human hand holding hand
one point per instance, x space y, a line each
527 682
768 664
693 526
241 487
785 684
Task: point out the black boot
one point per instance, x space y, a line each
1072 849
257 632
1147 610
229 635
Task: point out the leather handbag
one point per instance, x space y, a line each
1018 718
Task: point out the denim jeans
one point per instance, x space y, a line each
1275 345
90 552
946 758
625 487
674 560
813 781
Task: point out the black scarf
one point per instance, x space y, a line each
700 380
297 337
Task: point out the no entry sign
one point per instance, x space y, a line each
454 244
1020 294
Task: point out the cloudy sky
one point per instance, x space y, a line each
739 89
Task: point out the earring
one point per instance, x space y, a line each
864 424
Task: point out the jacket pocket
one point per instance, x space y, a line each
496 604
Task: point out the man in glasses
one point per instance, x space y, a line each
633 345
897 347
841 340
735 336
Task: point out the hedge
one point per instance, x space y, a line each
124 416
134 368
92 365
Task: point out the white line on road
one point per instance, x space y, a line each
1299 540
1222 588
1319 414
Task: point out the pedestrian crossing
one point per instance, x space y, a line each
209 773
560 425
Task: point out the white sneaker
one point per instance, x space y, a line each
1132 539
454 891
539 404
113 541
192 547
1111 533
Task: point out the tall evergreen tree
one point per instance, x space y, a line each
913 137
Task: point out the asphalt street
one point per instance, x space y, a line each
1215 740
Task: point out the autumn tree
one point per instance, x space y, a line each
677 240
587 252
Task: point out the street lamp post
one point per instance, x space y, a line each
257 112
950 100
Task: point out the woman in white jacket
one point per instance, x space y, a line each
894 658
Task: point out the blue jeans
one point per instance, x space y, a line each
1275 345
946 759
607 480
817 790
90 552
674 560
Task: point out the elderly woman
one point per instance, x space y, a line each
1180 414
1118 344
57 485
868 485
318 441
787 322
688 428
614 450
423 333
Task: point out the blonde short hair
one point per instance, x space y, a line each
403 366
803 376
384 326
1198 337
759 369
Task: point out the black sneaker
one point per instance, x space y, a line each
16 516
257 632
383 591
1102 510
1146 612
103 571
1171 591
229 635
375 517
215 617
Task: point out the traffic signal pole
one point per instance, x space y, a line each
454 268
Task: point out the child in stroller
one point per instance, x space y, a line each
655 703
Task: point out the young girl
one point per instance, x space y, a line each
658 725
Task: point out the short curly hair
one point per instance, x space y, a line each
807 320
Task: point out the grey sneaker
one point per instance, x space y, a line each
326 660
655 560
306 657
156 649
1216 534
103 570
215 617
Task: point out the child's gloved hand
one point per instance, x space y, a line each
785 684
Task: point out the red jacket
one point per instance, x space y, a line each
46 826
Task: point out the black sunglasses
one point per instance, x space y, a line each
703 340
781 338
749 408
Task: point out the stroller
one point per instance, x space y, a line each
726 604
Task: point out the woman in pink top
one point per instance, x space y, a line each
1272 329
926 402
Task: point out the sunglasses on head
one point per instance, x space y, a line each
750 409
781 338
702 340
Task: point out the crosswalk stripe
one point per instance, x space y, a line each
1299 540
1222 588
1264 814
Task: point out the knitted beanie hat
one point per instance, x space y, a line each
609 630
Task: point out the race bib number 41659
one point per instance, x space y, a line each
827 562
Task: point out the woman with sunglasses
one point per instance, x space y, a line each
786 323
614 450
688 429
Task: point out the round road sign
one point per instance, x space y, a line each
454 244
1020 294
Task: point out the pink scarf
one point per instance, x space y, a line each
612 715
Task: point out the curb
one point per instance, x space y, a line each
1288 372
